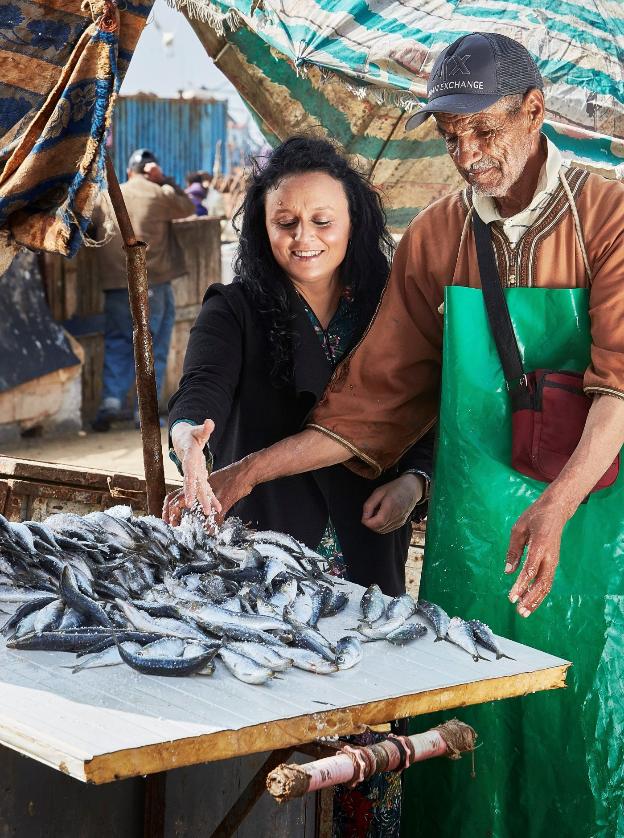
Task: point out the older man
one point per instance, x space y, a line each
552 227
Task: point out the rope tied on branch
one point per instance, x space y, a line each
353 764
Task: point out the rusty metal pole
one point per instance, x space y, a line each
143 352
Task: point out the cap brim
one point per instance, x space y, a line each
457 104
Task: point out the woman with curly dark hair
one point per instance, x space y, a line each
312 263
313 259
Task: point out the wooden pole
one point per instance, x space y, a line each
138 294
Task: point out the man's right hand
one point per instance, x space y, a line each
153 172
188 442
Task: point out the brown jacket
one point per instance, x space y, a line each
151 208
385 395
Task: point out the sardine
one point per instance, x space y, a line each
34 605
311 662
77 600
162 625
401 606
334 603
262 654
281 539
165 666
348 652
57 641
437 616
165 647
244 668
109 657
381 629
406 633
49 617
460 633
372 604
485 637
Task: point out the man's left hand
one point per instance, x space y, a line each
538 529
390 506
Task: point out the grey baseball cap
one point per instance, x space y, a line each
474 72
140 158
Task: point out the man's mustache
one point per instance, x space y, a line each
482 166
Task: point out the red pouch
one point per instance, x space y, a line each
549 411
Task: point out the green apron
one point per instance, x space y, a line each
550 763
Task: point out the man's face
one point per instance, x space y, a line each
490 148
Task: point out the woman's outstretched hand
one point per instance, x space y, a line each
390 506
189 441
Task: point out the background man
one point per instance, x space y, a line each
153 202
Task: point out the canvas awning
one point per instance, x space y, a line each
355 69
62 66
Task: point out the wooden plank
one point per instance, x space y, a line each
290 732
106 724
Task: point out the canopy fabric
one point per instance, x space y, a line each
62 66
390 45
354 70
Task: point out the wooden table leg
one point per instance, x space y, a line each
248 797
154 806
324 813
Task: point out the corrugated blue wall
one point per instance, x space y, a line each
182 133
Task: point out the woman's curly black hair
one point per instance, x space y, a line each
367 260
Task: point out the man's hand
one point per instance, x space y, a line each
230 484
538 529
153 172
188 442
390 506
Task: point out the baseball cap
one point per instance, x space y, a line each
139 158
474 72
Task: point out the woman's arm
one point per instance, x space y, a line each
540 528
201 407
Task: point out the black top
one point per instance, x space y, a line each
227 378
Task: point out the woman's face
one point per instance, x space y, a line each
307 219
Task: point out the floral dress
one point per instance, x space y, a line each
373 808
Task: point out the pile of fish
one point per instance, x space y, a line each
113 588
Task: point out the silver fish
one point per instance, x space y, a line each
348 652
262 654
437 616
485 637
300 609
381 629
71 619
334 602
406 633
176 666
214 615
372 604
49 617
281 539
161 625
109 657
244 668
311 662
166 647
460 633
401 606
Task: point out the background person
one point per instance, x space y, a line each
153 202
